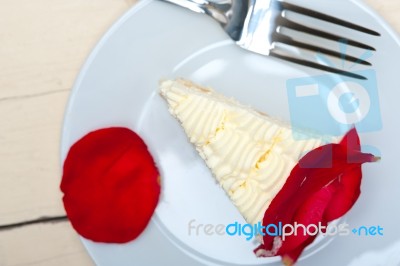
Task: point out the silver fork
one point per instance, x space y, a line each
255 25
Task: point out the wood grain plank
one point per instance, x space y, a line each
29 152
44 244
44 43
389 10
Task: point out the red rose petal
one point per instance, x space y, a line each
310 212
346 194
315 193
110 185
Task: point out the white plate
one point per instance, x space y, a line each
118 87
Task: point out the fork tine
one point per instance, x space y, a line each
322 16
317 66
298 27
278 37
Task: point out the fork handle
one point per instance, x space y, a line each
195 5
213 9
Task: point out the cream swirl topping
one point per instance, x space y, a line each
249 153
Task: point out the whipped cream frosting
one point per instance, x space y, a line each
249 153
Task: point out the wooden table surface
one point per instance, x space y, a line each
43 44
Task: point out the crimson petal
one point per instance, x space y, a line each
322 187
110 185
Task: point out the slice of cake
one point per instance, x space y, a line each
271 177
250 154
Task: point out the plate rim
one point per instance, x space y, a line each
394 35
